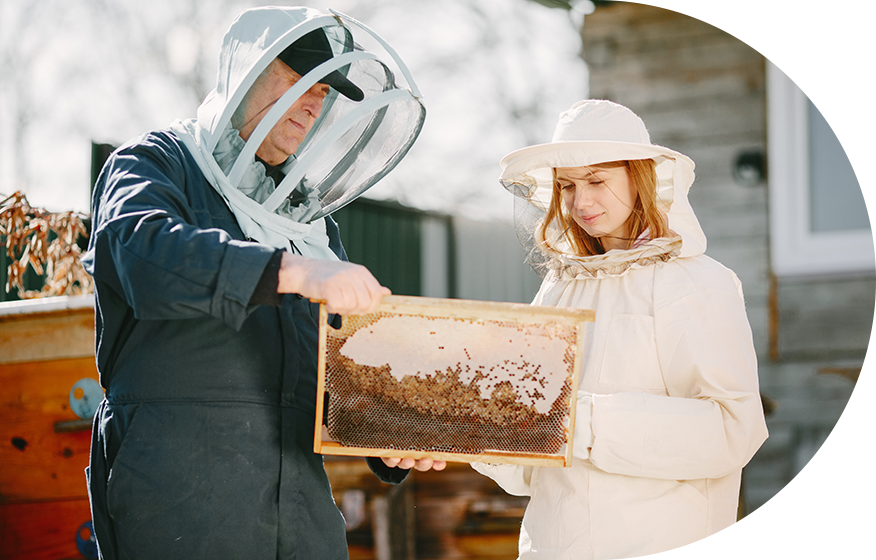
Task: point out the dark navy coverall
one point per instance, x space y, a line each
203 447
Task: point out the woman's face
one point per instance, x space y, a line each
600 200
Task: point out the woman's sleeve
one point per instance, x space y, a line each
711 423
147 247
513 479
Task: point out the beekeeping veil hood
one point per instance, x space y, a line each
367 124
591 132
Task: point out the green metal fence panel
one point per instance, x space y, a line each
32 280
386 239
4 273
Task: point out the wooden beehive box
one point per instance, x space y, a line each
46 347
453 380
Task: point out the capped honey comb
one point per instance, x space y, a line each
452 380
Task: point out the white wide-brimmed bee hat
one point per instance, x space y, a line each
590 132
597 131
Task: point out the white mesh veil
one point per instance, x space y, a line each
592 132
527 221
352 145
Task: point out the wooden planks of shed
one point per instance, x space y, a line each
43 496
702 92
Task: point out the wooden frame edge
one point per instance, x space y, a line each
320 379
541 460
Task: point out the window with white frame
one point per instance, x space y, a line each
818 219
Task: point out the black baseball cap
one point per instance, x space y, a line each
310 51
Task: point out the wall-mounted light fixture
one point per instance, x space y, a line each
749 168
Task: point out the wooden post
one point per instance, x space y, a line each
393 524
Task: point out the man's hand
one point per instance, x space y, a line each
423 464
347 288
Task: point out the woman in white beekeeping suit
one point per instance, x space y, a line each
668 408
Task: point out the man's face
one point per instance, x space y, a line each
289 132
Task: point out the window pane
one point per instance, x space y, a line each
842 132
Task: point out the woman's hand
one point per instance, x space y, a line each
423 464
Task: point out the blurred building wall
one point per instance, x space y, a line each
706 94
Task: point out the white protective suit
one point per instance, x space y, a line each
668 403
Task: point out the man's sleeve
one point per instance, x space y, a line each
390 475
265 292
147 247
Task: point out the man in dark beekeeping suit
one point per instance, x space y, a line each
210 240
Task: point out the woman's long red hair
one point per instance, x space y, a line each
646 216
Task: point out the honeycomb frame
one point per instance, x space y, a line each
520 410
